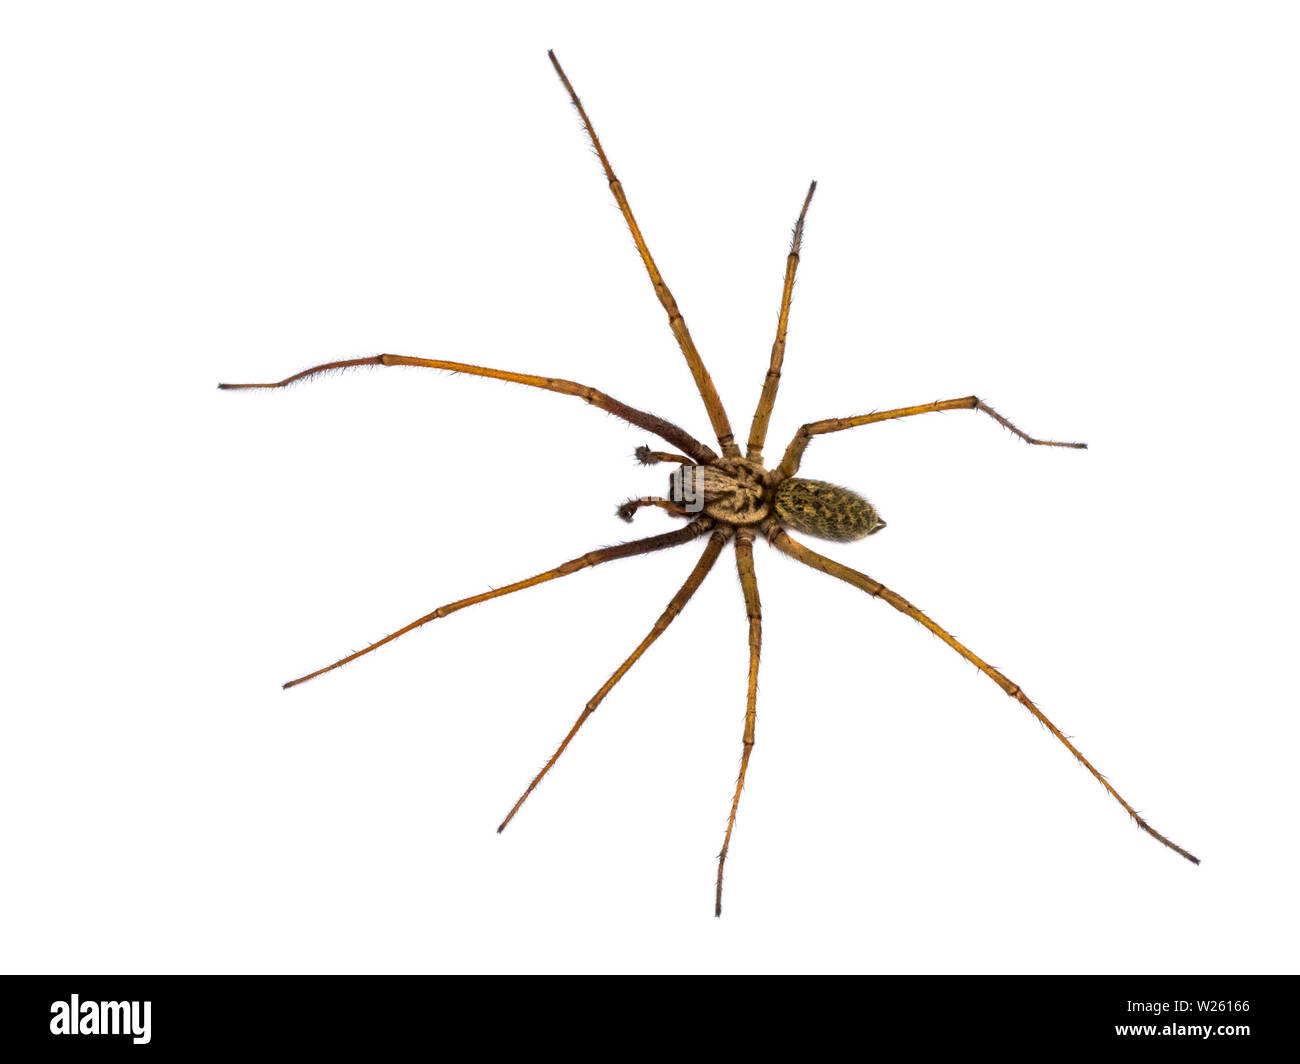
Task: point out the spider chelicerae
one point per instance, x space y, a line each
728 497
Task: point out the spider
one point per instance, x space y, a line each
724 498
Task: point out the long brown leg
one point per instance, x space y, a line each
596 557
758 431
794 453
709 393
754 612
782 542
661 428
678 603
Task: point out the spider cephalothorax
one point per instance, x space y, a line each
734 491
728 498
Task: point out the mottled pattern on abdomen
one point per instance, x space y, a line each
826 511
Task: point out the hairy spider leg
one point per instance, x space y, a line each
782 542
703 382
754 614
665 430
763 413
794 453
596 557
716 542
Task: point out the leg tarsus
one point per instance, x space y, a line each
746 750
985 408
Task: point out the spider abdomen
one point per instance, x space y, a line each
824 510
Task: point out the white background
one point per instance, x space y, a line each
1085 213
